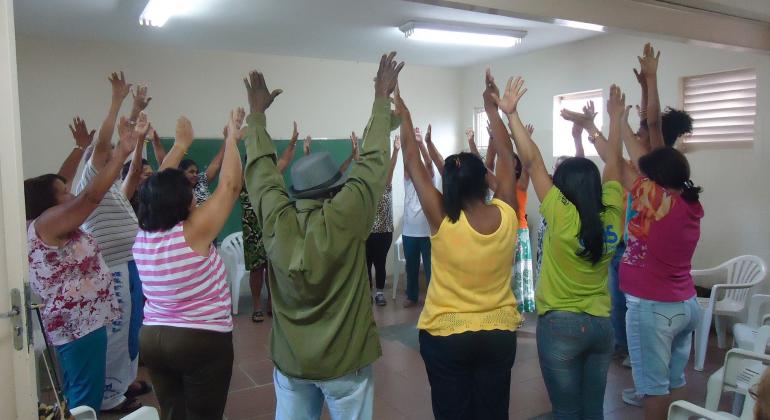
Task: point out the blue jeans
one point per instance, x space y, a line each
575 350
414 247
137 310
83 363
618 311
348 397
659 342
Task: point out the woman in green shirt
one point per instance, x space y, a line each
584 216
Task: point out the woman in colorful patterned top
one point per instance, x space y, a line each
186 341
200 180
69 274
468 326
378 243
584 212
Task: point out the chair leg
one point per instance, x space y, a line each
236 288
719 325
702 339
396 278
738 400
714 389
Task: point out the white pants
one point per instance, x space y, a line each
121 370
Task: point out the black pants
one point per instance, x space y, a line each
190 370
377 246
469 373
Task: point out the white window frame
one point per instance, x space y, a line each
480 129
723 106
563 144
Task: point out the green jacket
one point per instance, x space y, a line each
323 326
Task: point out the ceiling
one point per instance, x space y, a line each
356 30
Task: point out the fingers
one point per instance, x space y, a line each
275 93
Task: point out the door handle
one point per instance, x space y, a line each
15 316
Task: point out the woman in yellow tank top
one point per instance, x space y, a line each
468 326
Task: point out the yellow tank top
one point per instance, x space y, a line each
470 286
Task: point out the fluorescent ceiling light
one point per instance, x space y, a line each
462 34
157 12
579 25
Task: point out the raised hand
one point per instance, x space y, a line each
120 89
142 126
306 145
184 132
387 75
616 104
397 143
514 90
400 108
648 62
294 135
428 137
589 110
470 135
234 123
418 134
578 118
491 93
83 138
141 100
354 142
259 95
530 128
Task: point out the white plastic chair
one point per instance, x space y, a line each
728 299
83 412
144 413
399 263
745 333
742 369
232 253
684 410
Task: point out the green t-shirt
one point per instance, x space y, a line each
569 282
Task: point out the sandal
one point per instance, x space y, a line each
257 316
129 405
137 389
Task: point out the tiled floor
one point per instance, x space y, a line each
401 385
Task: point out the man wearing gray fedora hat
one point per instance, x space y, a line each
324 338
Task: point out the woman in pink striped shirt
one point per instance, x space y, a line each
186 341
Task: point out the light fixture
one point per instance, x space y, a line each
579 25
461 34
157 12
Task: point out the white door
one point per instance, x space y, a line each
18 388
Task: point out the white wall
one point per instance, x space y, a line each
736 194
327 98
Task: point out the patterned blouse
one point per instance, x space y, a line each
74 284
383 218
201 189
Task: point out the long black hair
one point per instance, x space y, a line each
464 180
186 163
669 168
579 180
164 200
39 194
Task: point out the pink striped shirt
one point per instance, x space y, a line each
183 289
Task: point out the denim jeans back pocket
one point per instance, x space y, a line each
566 324
670 316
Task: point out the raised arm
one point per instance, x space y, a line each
471 137
83 139
504 170
585 121
216 164
354 153
157 146
141 100
613 159
56 224
433 152
430 197
628 172
426 159
182 141
207 221
649 65
306 145
577 130
635 146
103 147
529 154
288 155
393 161
135 168
522 183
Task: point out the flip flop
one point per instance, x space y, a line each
257 316
144 388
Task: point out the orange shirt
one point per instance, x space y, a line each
521 212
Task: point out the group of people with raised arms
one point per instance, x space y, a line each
104 267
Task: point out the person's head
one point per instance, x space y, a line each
579 180
44 192
146 171
675 123
464 181
669 168
190 169
761 394
165 199
559 161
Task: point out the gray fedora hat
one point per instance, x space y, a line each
314 175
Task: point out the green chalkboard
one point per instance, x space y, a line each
203 150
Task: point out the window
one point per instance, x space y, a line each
480 121
563 144
722 105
